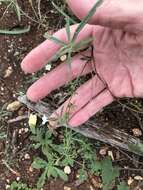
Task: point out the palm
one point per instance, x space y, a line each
119 58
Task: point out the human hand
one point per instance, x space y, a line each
117 63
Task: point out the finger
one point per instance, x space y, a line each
119 14
82 96
91 108
39 56
58 77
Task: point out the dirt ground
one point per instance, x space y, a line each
12 50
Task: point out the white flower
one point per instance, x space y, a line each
44 120
48 67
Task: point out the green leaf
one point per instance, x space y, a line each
123 186
138 148
42 179
68 161
3 135
39 163
15 32
95 166
82 175
18 12
19 186
86 19
68 29
63 13
54 39
61 174
82 44
108 173
52 171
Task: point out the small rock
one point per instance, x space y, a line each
14 106
67 188
130 181
2 88
8 181
110 153
91 187
20 131
103 151
31 169
27 156
18 179
67 170
8 72
138 178
7 186
63 58
137 132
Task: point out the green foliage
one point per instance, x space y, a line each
20 186
138 148
108 174
72 46
123 186
66 152
83 176
50 170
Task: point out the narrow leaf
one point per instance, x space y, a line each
54 39
15 32
63 13
86 19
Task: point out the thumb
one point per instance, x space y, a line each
118 14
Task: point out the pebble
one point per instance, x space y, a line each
18 179
138 178
2 88
110 153
137 132
14 106
7 187
103 151
8 181
8 72
27 156
31 169
20 131
67 188
91 187
130 181
67 170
